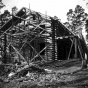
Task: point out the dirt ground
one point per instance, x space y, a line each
60 74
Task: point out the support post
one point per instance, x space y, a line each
75 47
70 49
5 45
53 38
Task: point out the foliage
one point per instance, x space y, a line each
76 18
1 4
14 10
4 17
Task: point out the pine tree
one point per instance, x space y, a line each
76 18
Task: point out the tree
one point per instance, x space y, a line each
5 17
76 18
6 12
1 4
14 10
68 25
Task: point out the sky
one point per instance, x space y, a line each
52 8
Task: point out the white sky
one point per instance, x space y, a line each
57 8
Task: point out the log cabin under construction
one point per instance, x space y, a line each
32 36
